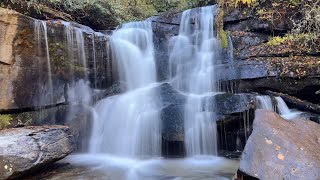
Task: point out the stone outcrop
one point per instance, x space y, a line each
33 75
256 65
24 150
281 149
263 66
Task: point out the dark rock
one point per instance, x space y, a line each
226 103
23 150
281 149
242 40
292 85
173 122
169 95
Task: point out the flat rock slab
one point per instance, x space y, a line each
281 149
23 150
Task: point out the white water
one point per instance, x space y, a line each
41 35
120 168
284 110
265 102
128 125
194 54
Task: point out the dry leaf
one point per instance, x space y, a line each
280 156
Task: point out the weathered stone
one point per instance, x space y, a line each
24 67
173 123
281 149
169 95
226 104
23 150
292 86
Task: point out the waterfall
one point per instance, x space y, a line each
265 102
284 110
41 36
128 124
193 56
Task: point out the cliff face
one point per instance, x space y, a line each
37 65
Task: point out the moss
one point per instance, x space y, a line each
221 34
61 63
223 39
5 120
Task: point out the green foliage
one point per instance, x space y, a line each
5 120
303 37
246 2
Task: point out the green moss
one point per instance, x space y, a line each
221 34
5 120
223 38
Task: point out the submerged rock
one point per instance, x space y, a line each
281 149
24 150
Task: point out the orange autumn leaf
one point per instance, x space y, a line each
281 157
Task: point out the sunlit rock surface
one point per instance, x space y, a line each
282 149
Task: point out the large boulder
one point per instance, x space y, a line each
24 150
281 149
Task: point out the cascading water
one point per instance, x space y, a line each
126 134
284 110
128 124
195 52
265 102
41 36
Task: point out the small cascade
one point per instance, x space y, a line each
284 110
195 52
41 37
76 48
265 102
128 125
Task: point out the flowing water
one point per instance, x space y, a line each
284 110
128 124
195 52
126 137
41 37
265 102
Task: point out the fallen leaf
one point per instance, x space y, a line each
278 148
280 156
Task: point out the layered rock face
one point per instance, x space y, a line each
48 70
23 150
257 66
281 149
40 60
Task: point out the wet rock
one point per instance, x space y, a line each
281 149
226 103
169 95
24 67
173 122
24 150
79 119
